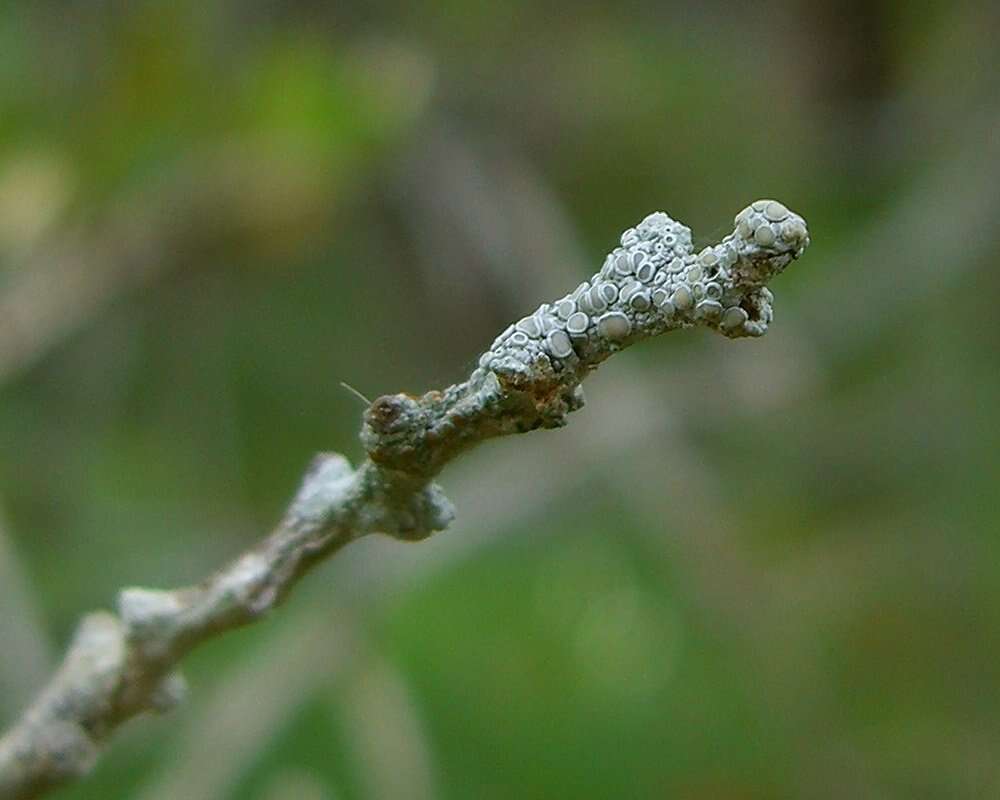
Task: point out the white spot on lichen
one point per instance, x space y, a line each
682 298
764 236
614 326
734 318
559 344
565 308
608 293
529 327
577 323
709 309
646 271
775 211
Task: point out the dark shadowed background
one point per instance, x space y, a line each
752 569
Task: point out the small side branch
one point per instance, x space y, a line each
124 663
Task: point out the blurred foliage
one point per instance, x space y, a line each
788 589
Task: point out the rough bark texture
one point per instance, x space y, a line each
124 663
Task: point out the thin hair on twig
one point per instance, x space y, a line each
355 392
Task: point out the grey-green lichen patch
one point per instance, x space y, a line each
530 377
654 281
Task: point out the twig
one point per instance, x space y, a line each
120 665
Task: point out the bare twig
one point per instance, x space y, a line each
120 665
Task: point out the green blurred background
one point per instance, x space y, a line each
753 569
